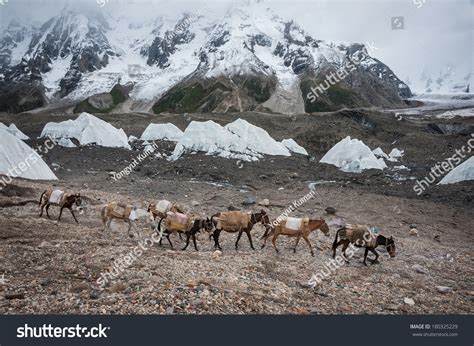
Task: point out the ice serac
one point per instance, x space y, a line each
88 129
17 159
463 172
294 147
237 140
352 155
12 129
256 139
168 132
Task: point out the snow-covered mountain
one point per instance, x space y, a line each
250 59
447 80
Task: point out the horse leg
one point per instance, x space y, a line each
365 255
250 239
188 235
309 244
60 213
375 261
169 240
274 242
216 235
47 209
74 216
194 241
344 248
296 244
335 248
41 211
129 228
238 238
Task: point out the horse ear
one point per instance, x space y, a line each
391 238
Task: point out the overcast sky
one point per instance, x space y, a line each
436 32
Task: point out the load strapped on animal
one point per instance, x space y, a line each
122 211
177 221
160 209
360 235
295 223
233 220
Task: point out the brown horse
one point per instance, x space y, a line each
118 211
189 227
307 226
360 236
236 221
62 199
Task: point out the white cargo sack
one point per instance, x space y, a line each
133 215
56 196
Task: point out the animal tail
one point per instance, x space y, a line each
337 235
269 230
159 228
41 198
102 215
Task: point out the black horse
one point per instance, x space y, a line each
361 237
196 227
254 219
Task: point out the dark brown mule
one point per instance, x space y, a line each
67 201
253 219
303 232
361 237
193 227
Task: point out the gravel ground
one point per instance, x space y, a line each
53 267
